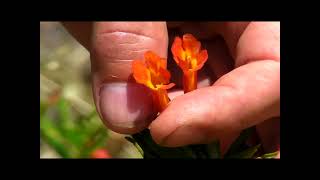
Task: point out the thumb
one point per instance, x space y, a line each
124 106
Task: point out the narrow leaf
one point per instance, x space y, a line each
240 141
51 136
153 150
246 154
269 155
214 150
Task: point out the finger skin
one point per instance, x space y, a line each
255 35
204 114
240 99
123 105
114 46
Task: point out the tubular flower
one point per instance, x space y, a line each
187 54
153 73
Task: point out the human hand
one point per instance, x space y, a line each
245 71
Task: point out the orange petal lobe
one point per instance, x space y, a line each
165 76
202 57
154 62
177 50
140 73
168 86
191 44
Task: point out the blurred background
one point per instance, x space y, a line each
69 124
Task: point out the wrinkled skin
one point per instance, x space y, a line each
239 85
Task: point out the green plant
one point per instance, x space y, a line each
238 150
70 134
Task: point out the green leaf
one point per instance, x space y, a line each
240 141
269 155
89 124
214 150
130 139
200 151
68 126
51 136
98 139
246 154
75 137
153 150
65 118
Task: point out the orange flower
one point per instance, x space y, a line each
153 73
187 54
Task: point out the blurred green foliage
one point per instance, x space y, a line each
69 124
69 136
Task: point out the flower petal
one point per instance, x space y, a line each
163 63
177 50
154 62
168 86
165 76
202 57
140 73
191 44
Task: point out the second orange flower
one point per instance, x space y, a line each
190 58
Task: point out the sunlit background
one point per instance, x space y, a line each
69 124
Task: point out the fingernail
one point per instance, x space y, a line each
125 107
